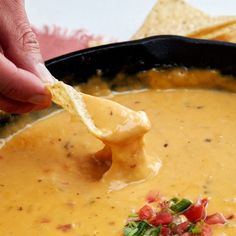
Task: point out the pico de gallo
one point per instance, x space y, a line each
174 217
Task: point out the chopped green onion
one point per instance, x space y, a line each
196 230
136 228
142 228
133 215
181 205
190 227
133 224
130 229
130 232
153 231
174 200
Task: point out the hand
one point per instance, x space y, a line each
22 71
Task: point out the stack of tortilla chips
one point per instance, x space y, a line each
176 17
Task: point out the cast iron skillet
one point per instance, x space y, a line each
138 55
132 57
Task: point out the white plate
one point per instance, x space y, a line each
114 19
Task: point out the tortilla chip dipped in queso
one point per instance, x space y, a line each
119 128
87 171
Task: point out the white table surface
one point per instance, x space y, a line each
113 19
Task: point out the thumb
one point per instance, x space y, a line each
19 42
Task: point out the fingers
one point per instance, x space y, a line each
21 85
12 106
22 71
20 90
19 41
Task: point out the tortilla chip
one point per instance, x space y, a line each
176 17
223 32
72 101
105 119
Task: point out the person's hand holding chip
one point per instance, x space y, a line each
22 71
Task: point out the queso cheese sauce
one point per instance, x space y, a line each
51 177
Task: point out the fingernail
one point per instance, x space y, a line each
38 99
44 73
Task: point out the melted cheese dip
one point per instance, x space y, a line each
50 180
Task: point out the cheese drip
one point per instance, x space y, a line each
118 127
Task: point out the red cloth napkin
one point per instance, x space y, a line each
55 41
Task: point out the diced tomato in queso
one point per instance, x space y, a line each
197 211
216 218
184 219
146 213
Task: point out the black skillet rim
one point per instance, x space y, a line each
137 55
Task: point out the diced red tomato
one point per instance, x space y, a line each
181 228
216 218
153 197
162 218
206 231
197 211
165 231
146 213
